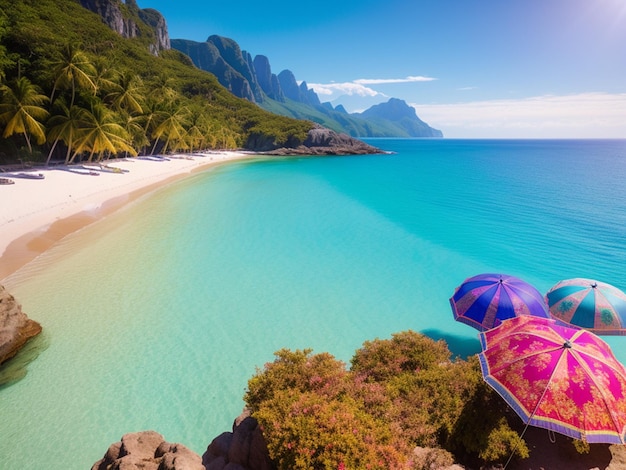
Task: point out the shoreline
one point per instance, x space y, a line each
35 214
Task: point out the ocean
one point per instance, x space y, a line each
156 316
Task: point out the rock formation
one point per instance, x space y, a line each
242 449
124 18
15 327
323 141
148 450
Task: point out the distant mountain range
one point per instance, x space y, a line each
253 80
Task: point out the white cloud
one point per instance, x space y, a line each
358 87
584 115
380 81
346 88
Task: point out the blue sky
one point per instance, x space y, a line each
472 68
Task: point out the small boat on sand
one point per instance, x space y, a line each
79 170
153 158
30 176
6 181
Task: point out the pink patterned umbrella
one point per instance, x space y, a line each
563 379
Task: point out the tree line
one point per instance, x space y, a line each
95 112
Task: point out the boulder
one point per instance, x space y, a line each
15 327
243 449
323 141
147 450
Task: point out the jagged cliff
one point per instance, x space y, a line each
128 20
245 77
224 58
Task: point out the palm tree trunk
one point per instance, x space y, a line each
51 151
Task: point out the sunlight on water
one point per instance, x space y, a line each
156 317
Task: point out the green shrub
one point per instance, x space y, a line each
400 393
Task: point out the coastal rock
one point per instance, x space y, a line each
15 327
243 449
148 450
319 141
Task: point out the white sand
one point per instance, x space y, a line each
30 207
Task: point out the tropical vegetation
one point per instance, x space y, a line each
73 89
398 394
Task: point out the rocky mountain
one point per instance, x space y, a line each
401 114
254 80
128 20
224 58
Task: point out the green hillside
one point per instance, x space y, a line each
72 85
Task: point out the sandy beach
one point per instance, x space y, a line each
37 213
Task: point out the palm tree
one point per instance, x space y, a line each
197 130
171 128
73 69
132 125
126 93
101 134
161 88
153 114
226 138
103 77
65 126
22 112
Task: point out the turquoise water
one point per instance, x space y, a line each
156 316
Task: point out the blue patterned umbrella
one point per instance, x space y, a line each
585 303
484 301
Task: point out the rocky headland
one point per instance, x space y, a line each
323 141
15 327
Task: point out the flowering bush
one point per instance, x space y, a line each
399 393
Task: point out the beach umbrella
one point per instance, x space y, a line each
555 377
485 300
585 303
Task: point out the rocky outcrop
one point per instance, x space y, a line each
323 141
162 38
242 449
15 327
124 18
148 450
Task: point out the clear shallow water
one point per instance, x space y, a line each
156 317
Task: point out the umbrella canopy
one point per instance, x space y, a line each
559 378
485 300
589 304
